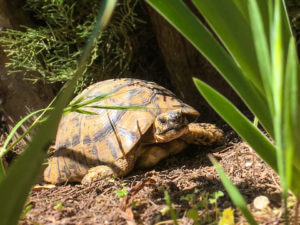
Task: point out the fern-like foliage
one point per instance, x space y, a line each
50 51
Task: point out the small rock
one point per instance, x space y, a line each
261 202
248 164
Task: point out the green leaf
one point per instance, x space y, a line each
234 193
239 123
193 214
21 175
242 6
13 131
85 112
4 148
262 49
290 108
239 44
58 206
172 211
245 129
78 102
180 16
118 107
277 85
23 172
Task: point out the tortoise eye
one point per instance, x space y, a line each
162 120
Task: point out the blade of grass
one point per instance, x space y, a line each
19 124
119 107
234 193
277 84
13 131
172 211
4 149
78 104
263 7
262 49
239 44
22 174
290 111
242 6
179 15
239 123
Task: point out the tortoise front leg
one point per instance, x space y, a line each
202 133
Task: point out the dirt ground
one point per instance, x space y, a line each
188 177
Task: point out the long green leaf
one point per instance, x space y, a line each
4 148
234 193
277 85
290 112
233 29
245 129
262 49
22 174
239 123
15 128
171 209
242 6
24 171
180 16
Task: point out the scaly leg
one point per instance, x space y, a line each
156 153
203 133
119 168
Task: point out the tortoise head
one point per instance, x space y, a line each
170 125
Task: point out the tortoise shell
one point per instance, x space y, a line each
84 140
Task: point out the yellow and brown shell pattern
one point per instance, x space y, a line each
84 141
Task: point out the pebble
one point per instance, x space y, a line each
261 202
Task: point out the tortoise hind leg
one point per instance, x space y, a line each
151 156
155 153
119 168
203 133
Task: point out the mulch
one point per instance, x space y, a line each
189 173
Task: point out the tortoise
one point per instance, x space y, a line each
112 141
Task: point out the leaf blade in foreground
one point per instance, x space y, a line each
180 16
24 171
234 193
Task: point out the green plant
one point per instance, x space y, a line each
171 209
26 210
58 206
122 192
21 175
214 201
206 199
258 58
50 51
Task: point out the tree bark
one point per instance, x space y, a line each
184 62
18 97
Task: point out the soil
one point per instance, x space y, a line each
188 174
